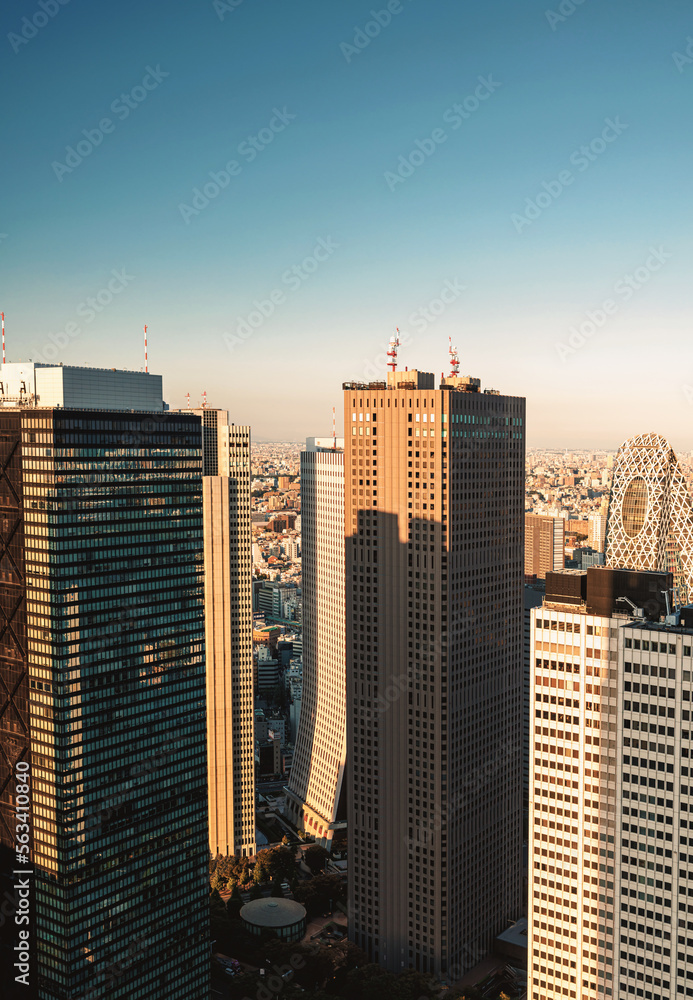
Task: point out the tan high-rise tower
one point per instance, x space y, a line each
434 520
544 545
228 633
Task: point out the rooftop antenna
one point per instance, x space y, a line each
146 360
187 396
3 337
204 399
454 360
392 350
334 430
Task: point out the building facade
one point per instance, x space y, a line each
315 794
650 519
103 652
544 545
608 902
434 523
596 531
229 628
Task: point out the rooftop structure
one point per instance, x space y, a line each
34 384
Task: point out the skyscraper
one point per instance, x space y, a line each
544 545
434 522
596 531
102 664
228 628
650 520
314 797
609 910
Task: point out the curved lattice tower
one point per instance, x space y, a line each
650 521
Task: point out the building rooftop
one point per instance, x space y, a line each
516 934
273 912
683 624
34 385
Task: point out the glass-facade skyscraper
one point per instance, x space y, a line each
102 651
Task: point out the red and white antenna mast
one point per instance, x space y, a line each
3 337
146 359
454 360
334 430
392 350
204 399
187 396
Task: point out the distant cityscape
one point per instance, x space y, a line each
351 716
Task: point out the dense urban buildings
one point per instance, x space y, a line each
434 520
228 633
315 799
650 524
102 664
609 870
544 545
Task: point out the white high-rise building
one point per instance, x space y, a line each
609 908
596 531
314 794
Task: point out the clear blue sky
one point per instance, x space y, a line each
330 174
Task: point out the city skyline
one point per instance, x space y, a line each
346 500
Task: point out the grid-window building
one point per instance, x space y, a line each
544 545
315 794
609 909
102 654
229 629
434 522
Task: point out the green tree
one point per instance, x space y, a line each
316 858
259 874
281 863
277 891
256 891
234 904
